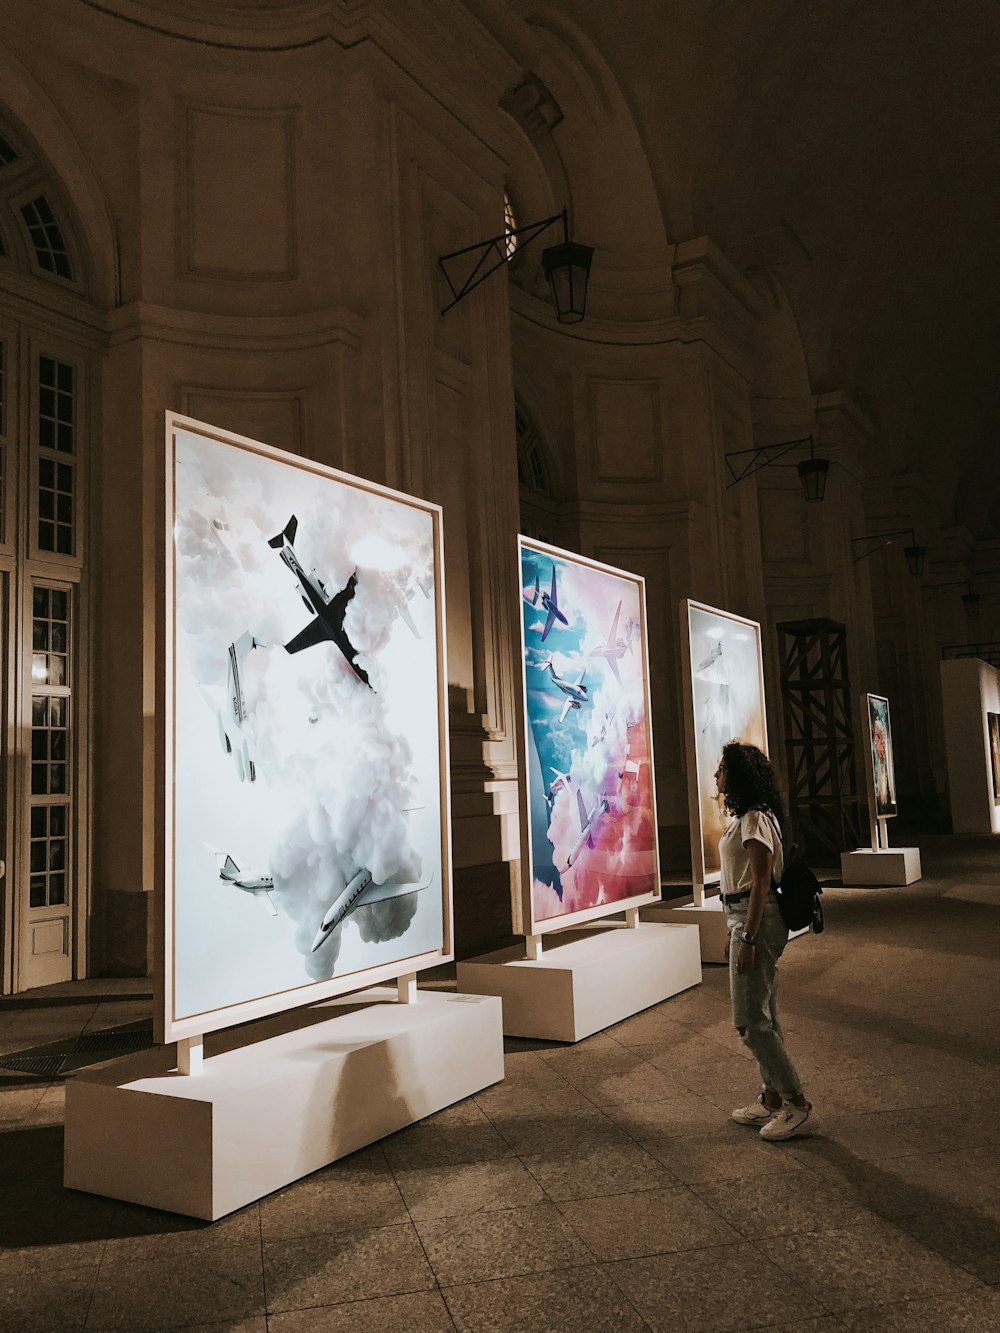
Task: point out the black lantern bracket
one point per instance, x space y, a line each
496 252
970 598
915 554
812 470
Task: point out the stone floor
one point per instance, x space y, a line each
600 1186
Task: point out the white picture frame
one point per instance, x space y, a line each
260 480
623 800
722 680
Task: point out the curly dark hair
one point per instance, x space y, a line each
748 781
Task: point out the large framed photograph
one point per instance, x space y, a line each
307 830
588 827
723 679
994 726
881 772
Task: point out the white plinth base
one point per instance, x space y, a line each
709 918
894 865
300 1091
585 980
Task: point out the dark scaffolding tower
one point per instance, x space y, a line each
819 737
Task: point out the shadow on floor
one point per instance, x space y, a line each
38 1211
959 1232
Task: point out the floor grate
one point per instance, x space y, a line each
114 1040
25 1063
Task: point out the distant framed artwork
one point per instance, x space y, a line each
307 830
588 811
723 680
994 728
882 771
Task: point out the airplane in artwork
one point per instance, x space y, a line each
601 733
258 886
587 822
615 648
713 656
630 769
559 781
328 612
403 611
575 690
359 891
550 601
231 715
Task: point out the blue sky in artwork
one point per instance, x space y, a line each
555 743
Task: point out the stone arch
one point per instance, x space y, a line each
59 161
781 370
574 134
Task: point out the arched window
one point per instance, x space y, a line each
509 225
540 517
44 376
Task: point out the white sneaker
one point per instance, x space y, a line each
755 1114
789 1121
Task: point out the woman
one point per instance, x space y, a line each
750 853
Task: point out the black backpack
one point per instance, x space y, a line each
798 896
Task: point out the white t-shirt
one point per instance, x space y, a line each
754 826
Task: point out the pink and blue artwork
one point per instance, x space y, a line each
590 790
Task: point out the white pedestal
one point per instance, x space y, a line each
891 865
708 917
289 1095
585 980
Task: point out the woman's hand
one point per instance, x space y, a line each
745 959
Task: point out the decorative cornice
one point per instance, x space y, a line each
140 319
650 333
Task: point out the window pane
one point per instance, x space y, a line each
39 669
57 779
40 743
57 820
40 602
38 821
57 854
39 779
37 894
57 669
59 604
57 712
57 889
38 856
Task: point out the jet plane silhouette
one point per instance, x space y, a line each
328 612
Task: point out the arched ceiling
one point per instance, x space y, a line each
854 146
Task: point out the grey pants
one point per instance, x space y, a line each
755 998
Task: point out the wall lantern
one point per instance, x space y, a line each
812 470
915 555
970 599
566 266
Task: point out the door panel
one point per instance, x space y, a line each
45 897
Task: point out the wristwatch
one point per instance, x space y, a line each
748 939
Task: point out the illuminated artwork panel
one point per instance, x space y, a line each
994 726
591 812
307 817
726 703
883 770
